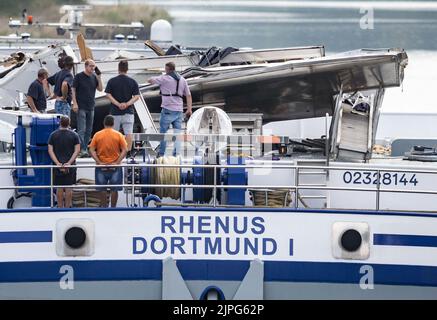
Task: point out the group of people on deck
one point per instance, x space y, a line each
108 147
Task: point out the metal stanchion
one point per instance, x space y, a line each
51 187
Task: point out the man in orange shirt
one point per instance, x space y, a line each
108 147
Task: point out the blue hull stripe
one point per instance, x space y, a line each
25 236
404 240
326 272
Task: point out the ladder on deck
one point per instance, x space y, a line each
146 121
314 198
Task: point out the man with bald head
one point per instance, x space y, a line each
84 90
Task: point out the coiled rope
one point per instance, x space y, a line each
274 198
260 197
86 197
270 197
168 176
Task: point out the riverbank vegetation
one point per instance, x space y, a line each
48 11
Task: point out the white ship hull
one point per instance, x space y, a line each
302 264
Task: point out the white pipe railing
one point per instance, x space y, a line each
295 187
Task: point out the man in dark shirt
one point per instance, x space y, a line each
52 79
123 92
38 91
64 147
62 91
84 91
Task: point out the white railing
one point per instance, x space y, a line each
294 187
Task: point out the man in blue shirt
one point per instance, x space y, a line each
123 92
63 83
38 92
52 79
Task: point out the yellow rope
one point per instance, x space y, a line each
168 176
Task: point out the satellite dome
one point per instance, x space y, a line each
210 120
161 32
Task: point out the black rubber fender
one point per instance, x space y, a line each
10 204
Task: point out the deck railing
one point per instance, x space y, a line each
295 186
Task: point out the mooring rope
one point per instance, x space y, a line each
168 176
86 197
270 197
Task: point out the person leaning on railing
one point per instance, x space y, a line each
63 148
108 147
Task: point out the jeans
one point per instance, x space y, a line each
168 118
63 107
85 119
107 176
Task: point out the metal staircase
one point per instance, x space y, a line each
146 121
353 131
355 134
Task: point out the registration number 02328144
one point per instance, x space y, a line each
385 178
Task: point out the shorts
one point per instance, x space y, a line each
125 121
107 176
62 107
64 179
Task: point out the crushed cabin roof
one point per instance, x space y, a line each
293 89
